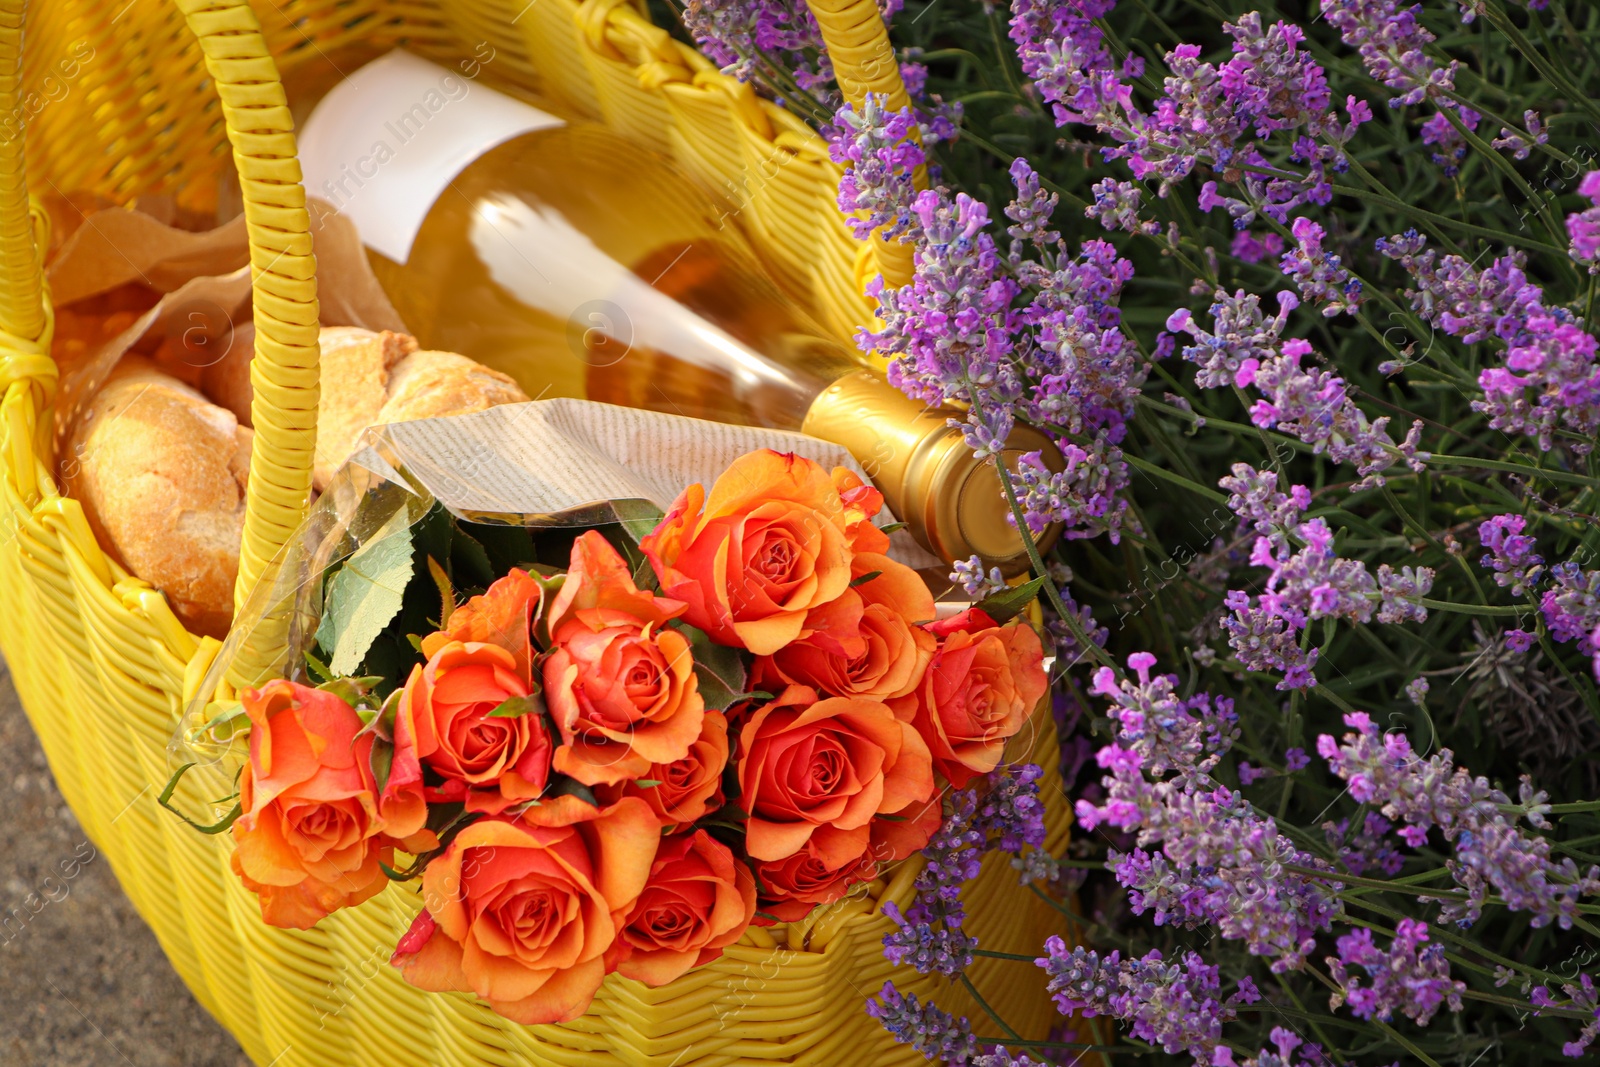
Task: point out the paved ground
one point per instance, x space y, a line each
82 981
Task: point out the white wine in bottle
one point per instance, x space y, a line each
585 266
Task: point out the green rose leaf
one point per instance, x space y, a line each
562 786
516 707
382 763
1003 607
365 594
719 668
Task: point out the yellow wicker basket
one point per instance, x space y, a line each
121 97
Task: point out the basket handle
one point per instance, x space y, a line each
283 285
858 44
863 62
22 311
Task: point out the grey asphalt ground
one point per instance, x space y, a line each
83 982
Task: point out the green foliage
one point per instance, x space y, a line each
364 594
1003 607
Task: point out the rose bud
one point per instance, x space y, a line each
311 833
768 544
621 687
446 721
806 764
698 900
526 915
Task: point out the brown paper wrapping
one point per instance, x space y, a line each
199 329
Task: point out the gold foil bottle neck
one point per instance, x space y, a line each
951 501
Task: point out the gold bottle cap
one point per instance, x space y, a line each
951 501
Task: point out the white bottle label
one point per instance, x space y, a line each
390 138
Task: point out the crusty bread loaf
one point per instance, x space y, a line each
160 472
227 380
355 383
373 378
428 385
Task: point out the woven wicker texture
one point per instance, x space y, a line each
169 95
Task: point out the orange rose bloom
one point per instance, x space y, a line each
980 688
816 874
769 544
806 764
893 653
524 915
311 833
621 688
502 615
699 900
686 788
444 721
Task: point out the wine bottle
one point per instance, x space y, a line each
586 266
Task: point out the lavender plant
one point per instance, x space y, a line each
1304 292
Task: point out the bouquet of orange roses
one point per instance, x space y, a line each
621 762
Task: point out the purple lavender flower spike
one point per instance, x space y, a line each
1282 1054
1244 348
1581 996
1116 207
1449 145
1064 54
1005 812
1177 1005
1410 978
1583 227
971 577
1311 403
1510 553
1518 143
880 155
1220 863
1391 41
957 333
1550 380
934 1033
1240 333
1401 592
1087 496
1255 498
1571 606
1263 640
737 35
1032 208
1492 855
1318 274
